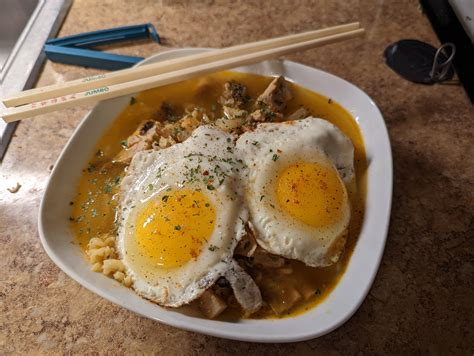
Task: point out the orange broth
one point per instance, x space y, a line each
93 210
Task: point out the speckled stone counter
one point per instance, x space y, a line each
422 300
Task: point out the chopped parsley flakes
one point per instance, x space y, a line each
212 248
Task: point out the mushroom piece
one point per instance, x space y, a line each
266 260
245 290
247 245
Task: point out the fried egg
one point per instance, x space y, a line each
296 188
181 216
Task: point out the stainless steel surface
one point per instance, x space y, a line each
24 27
13 19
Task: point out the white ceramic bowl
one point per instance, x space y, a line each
344 299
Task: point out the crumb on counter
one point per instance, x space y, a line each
14 189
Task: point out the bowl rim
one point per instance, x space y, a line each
259 330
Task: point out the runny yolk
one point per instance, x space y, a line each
311 193
172 229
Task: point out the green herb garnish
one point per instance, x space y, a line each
91 168
212 248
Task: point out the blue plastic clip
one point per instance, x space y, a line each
75 49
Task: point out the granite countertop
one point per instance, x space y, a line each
422 297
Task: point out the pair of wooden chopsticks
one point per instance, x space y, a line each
128 81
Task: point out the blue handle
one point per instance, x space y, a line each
89 58
108 36
74 49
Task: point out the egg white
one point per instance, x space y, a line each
270 149
169 168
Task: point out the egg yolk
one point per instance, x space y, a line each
311 193
172 229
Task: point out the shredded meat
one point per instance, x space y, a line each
234 95
146 131
261 115
234 113
233 119
126 155
275 96
152 134
190 121
142 139
299 114
146 128
228 125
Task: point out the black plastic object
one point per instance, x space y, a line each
413 60
449 29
